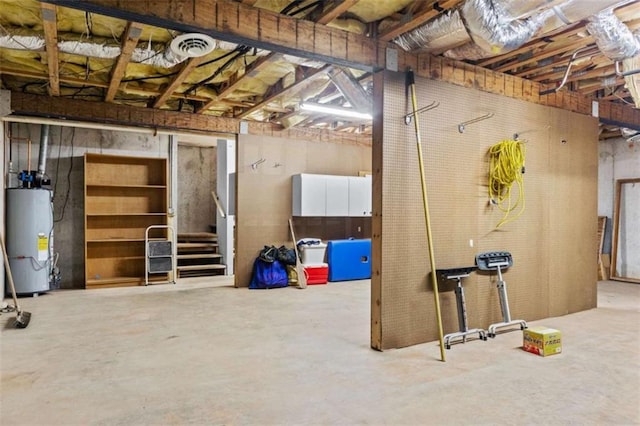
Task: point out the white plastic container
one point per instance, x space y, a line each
312 254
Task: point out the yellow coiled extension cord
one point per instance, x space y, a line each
506 167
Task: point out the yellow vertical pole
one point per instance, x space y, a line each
414 103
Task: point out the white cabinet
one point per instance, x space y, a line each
337 200
328 195
359 196
309 195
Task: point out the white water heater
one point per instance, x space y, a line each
29 238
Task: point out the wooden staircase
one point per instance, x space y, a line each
198 255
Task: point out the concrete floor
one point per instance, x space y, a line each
197 354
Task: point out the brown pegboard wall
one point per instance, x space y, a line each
264 193
550 242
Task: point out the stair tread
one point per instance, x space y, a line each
197 237
200 256
197 245
198 267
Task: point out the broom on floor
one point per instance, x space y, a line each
300 272
22 317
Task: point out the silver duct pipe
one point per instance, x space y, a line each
492 24
443 33
350 88
494 30
614 39
572 11
44 145
21 42
564 13
469 51
92 49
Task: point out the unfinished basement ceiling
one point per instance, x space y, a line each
104 58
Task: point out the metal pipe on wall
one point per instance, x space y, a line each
44 144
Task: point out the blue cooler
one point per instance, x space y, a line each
349 259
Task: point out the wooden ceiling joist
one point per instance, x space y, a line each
129 42
419 19
562 62
533 47
251 71
142 91
559 75
177 81
50 26
509 66
242 24
334 11
300 82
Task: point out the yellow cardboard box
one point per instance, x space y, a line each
542 341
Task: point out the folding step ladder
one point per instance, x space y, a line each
160 255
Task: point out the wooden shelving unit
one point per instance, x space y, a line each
122 197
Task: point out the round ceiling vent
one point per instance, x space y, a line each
192 45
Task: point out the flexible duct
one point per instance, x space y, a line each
469 51
572 11
162 59
562 13
444 32
614 39
21 42
492 24
91 49
494 30
350 88
42 154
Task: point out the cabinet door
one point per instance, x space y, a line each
337 195
359 196
309 195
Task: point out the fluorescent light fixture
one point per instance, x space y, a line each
335 110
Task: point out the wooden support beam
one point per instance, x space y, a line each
189 66
290 89
131 36
337 9
50 26
111 113
24 104
239 23
251 71
249 2
417 20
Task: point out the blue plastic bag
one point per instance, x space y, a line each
268 275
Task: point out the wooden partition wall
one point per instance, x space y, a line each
552 243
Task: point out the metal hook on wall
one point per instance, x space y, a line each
432 105
255 165
517 135
461 126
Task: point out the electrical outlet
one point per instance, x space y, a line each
470 243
